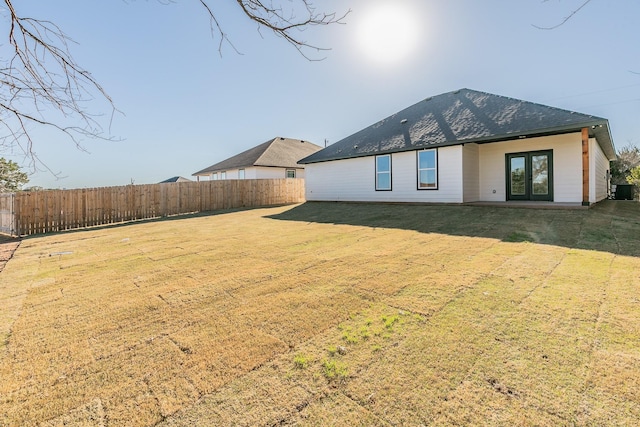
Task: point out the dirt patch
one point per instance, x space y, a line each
8 246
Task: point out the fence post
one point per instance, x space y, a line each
57 210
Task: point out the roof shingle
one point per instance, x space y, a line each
277 152
459 117
175 179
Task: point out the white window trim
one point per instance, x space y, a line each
378 188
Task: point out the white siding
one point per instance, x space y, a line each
471 172
567 166
250 173
354 179
269 173
598 166
275 173
480 167
231 174
258 172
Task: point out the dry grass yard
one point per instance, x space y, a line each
328 314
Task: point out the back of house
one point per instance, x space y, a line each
468 146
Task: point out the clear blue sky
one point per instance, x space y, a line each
185 107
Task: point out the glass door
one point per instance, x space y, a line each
530 176
517 181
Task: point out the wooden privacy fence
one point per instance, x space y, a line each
48 211
7 214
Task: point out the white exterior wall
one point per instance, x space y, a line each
354 179
230 174
567 166
466 173
258 172
275 173
471 172
598 166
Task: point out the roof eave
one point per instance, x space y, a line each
209 171
275 166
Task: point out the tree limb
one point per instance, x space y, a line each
283 23
41 85
41 77
566 18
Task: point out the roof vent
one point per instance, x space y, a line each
403 121
429 98
281 139
355 147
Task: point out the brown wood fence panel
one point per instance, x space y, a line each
39 212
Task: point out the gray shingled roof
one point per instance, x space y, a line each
175 179
277 152
463 116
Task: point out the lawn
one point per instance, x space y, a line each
328 314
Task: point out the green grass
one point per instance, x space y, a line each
334 370
300 361
328 314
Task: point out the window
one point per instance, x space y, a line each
428 169
240 173
214 176
223 175
291 173
383 173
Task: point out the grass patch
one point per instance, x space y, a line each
300 361
389 321
334 370
517 236
346 315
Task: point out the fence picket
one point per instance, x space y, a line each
39 212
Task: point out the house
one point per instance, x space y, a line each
468 146
276 158
175 179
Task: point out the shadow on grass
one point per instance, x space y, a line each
610 226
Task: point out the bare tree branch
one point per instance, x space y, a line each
566 18
40 79
282 22
215 26
41 85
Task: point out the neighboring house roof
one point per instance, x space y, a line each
277 152
463 116
176 179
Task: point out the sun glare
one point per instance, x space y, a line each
387 33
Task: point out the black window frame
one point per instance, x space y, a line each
437 169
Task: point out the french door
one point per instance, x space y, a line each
530 175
